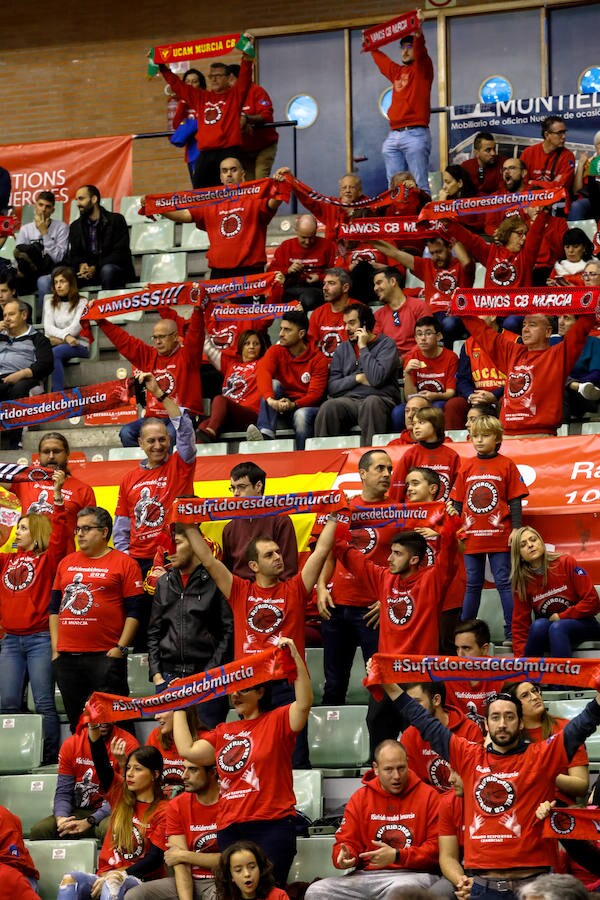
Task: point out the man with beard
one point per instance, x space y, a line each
326 326
99 243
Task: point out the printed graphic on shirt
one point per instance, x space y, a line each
230 225
86 790
148 511
138 846
503 273
400 607
330 341
19 575
77 597
445 282
482 497
265 617
213 111
494 795
42 505
395 834
519 382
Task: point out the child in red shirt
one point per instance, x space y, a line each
430 452
491 488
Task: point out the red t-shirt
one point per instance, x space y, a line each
470 697
484 487
254 762
399 324
567 591
503 268
326 329
411 86
261 615
425 762
303 378
237 230
38 497
315 259
239 380
197 822
13 852
442 459
144 834
92 612
258 103
173 762
75 760
440 283
486 180
452 817
580 757
438 374
145 498
557 167
485 375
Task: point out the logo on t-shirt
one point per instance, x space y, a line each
138 843
400 609
394 834
305 378
329 343
234 755
482 497
503 273
77 597
235 386
213 112
445 282
439 774
231 225
19 575
265 617
166 382
223 338
518 383
364 539
494 795
431 384
42 505
553 605
148 512
86 790
205 840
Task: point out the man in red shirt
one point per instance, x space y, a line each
550 161
303 260
94 611
330 214
408 144
485 167
326 326
471 640
259 138
301 372
388 834
398 315
175 366
218 110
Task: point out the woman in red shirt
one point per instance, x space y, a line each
162 738
135 842
237 405
254 763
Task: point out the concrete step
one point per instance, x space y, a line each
94 371
86 438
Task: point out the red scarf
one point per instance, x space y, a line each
64 404
452 209
392 30
524 301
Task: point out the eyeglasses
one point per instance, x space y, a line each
560 131
83 529
531 694
233 488
588 275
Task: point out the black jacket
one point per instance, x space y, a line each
42 348
191 628
113 244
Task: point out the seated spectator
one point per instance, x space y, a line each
8 290
363 380
300 371
259 138
238 403
399 313
303 260
578 250
585 185
184 113
456 184
485 166
430 450
41 245
162 738
245 873
79 810
326 326
471 640
25 359
557 591
18 873
406 436
451 843
582 391
70 338
488 493
99 243
429 371
554 887
476 409
362 260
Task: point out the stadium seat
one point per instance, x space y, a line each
590 428
490 609
219 448
435 183
567 709
479 279
280 228
382 440
280 445
308 788
341 442
457 346
562 431
28 212
129 209
338 739
142 729
28 796
193 238
162 267
357 693
54 859
313 858
8 248
458 434
126 453
137 675
588 226
148 237
412 281
20 743
314 664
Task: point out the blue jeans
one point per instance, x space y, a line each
84 882
475 568
342 634
62 353
488 893
130 432
408 150
28 657
559 637
302 420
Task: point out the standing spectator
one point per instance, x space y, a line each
26 578
18 873
303 260
332 215
398 315
186 116
218 112
41 245
259 138
408 144
326 326
429 450
560 594
488 492
300 371
585 185
550 161
485 166
363 380
62 324
191 626
247 479
5 189
79 810
99 243
94 611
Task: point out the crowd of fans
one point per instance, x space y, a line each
455 809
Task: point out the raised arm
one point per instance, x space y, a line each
316 560
200 752
219 573
303 692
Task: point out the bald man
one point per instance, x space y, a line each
303 260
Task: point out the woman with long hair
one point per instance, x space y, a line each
539 726
456 184
162 738
70 338
557 591
26 578
238 403
245 873
254 763
133 849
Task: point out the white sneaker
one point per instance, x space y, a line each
253 434
589 391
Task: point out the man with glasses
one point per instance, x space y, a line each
504 783
175 365
248 480
94 611
550 161
430 370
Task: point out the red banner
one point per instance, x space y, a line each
198 48
387 198
255 311
63 404
386 228
524 301
573 823
452 209
196 199
64 166
392 30
240 286
268 665
153 296
190 510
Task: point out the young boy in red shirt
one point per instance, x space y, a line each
430 452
